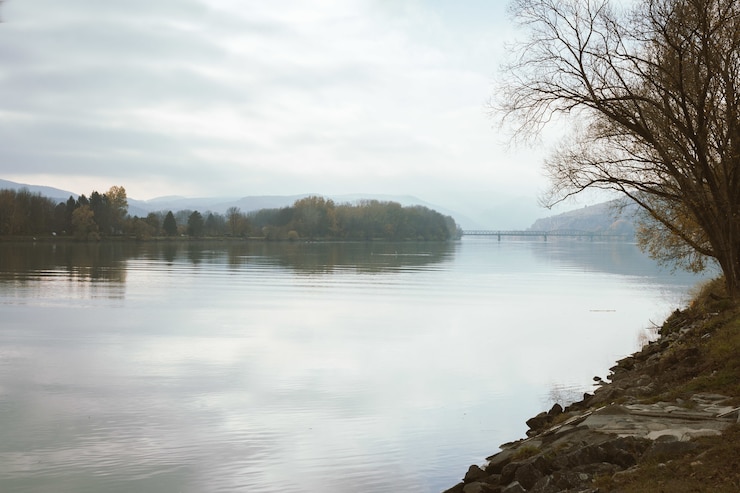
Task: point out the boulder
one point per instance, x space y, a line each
555 410
527 475
539 422
458 488
479 487
514 488
474 473
509 471
622 451
497 462
667 447
561 481
526 472
546 484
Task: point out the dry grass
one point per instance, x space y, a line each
525 452
713 467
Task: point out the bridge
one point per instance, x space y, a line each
567 233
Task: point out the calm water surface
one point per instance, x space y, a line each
300 367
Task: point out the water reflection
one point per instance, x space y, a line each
79 261
107 261
608 257
67 270
315 258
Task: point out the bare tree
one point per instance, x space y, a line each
655 92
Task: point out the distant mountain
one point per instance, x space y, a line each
606 217
52 193
215 204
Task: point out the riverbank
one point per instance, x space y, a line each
665 419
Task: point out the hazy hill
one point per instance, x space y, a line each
217 205
602 218
52 193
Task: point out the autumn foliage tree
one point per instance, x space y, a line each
654 94
83 223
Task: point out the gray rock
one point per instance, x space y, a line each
545 485
663 450
478 487
497 462
626 363
706 398
555 410
509 471
539 422
458 488
526 472
587 472
621 451
514 488
474 474
527 475
492 479
562 481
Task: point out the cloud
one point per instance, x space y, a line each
247 97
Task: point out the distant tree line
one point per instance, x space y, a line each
23 213
191 223
318 218
26 213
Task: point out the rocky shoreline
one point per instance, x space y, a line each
645 414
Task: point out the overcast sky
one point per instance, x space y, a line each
249 97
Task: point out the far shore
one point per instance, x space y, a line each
190 239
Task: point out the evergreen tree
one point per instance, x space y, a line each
196 225
169 225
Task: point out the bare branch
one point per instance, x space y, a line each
656 97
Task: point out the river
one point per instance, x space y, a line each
301 367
